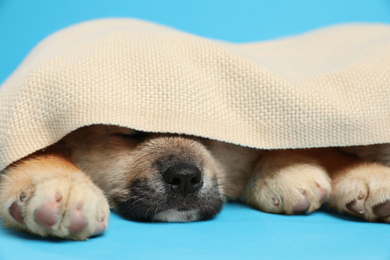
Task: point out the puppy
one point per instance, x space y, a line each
66 190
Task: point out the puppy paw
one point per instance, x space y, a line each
364 192
63 204
292 189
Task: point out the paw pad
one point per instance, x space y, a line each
357 205
77 220
47 214
303 204
382 209
53 201
100 226
14 211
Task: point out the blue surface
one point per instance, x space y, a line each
238 232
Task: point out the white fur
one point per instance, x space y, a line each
172 215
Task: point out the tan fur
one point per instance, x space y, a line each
287 176
108 157
42 175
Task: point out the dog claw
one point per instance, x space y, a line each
22 196
58 196
275 202
323 193
382 209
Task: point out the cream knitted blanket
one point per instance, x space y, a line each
330 87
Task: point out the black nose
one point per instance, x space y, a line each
183 178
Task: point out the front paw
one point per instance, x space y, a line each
364 192
64 205
289 190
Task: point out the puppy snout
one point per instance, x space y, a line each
183 179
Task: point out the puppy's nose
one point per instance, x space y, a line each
183 178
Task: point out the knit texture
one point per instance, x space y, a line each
330 87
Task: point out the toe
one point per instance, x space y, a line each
303 204
101 225
100 228
77 220
322 192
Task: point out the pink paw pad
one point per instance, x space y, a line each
382 209
14 211
357 205
77 220
100 226
46 215
303 204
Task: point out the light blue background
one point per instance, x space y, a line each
238 232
